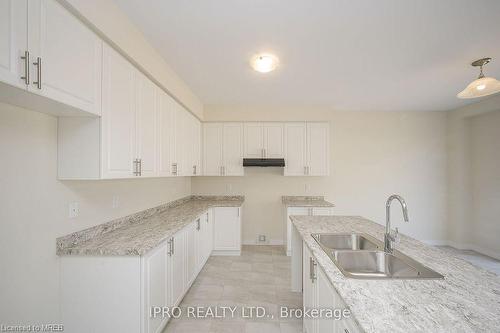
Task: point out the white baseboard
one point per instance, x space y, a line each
269 242
226 252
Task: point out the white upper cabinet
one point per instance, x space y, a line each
180 162
318 149
146 126
166 133
273 140
223 149
118 116
196 147
307 149
212 149
232 149
295 149
263 140
254 140
66 57
52 56
13 41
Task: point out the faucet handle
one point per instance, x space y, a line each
395 236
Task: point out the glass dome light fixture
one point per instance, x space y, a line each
264 62
483 85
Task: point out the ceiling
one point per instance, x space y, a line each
396 55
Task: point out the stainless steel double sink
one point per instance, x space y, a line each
361 256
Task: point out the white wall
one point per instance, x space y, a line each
473 139
108 19
34 208
373 154
485 153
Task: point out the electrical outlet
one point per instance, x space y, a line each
229 188
73 210
116 201
262 238
306 187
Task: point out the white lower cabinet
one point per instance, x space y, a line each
191 252
178 262
306 211
102 294
156 290
203 239
227 231
318 293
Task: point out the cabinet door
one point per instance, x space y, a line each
146 125
13 41
308 287
227 229
181 145
118 116
191 252
194 145
70 55
233 149
200 242
326 299
166 133
178 267
156 291
318 149
322 211
197 148
292 211
254 140
212 149
273 140
295 149
209 234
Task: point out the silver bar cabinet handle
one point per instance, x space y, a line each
198 224
140 167
173 245
194 169
169 248
26 76
38 64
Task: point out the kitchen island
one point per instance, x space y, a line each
466 300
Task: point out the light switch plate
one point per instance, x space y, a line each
116 201
73 210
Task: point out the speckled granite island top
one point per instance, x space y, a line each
136 234
466 300
306 201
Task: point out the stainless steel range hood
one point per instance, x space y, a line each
264 162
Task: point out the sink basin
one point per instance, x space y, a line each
381 265
351 241
360 256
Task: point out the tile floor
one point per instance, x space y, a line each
259 277
475 258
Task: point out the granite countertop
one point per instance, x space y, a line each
466 300
306 201
136 234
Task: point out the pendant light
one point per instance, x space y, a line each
482 86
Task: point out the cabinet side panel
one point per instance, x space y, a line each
101 294
78 148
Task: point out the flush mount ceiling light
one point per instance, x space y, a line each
264 63
482 86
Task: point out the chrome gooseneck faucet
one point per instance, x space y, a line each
389 236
